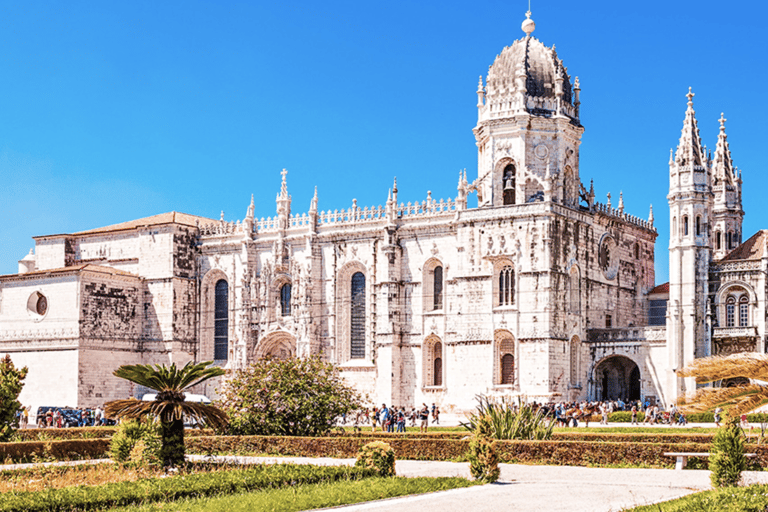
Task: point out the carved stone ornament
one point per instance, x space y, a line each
607 256
541 151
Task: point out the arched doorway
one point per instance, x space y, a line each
617 377
277 345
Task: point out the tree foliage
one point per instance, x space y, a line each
11 384
727 459
483 460
735 400
169 407
293 397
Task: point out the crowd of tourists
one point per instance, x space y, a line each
394 419
569 414
64 417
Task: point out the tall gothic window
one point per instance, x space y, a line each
285 300
357 317
221 321
685 225
574 291
437 289
698 225
509 184
575 347
506 286
718 240
437 362
730 311
743 311
507 369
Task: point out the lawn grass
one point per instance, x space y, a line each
753 498
307 497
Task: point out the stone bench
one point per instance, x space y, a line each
682 457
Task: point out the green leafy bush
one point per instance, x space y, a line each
136 441
483 461
173 488
379 456
75 449
727 460
625 417
294 397
511 421
11 383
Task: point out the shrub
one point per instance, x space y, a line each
294 397
625 417
521 421
11 383
483 462
379 456
136 441
727 459
56 450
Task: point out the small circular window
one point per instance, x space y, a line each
37 304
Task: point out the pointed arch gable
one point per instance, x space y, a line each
277 344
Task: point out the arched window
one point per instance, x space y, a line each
637 250
285 300
731 240
698 225
730 311
437 364
743 311
574 291
685 225
575 348
506 286
505 358
718 240
357 317
437 289
221 321
509 184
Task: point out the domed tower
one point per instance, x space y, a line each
528 130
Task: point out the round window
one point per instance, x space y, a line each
37 305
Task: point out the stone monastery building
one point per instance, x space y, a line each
538 291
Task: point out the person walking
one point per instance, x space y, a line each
424 417
634 414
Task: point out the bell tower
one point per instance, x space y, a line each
528 131
727 214
690 213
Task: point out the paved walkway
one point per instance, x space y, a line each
532 488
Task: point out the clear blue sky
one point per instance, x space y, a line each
111 111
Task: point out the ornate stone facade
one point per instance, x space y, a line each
540 291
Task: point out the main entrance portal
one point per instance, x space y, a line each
617 377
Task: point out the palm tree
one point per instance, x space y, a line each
169 406
736 400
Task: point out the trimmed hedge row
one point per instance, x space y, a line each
177 487
70 449
50 434
558 452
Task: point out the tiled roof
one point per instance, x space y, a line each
83 267
163 218
752 249
662 288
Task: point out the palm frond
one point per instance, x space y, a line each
736 400
168 378
710 369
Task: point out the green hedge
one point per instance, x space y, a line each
176 487
74 449
51 434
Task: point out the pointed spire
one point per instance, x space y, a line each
284 184
650 216
480 92
723 164
609 201
528 25
313 204
621 201
251 208
690 151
